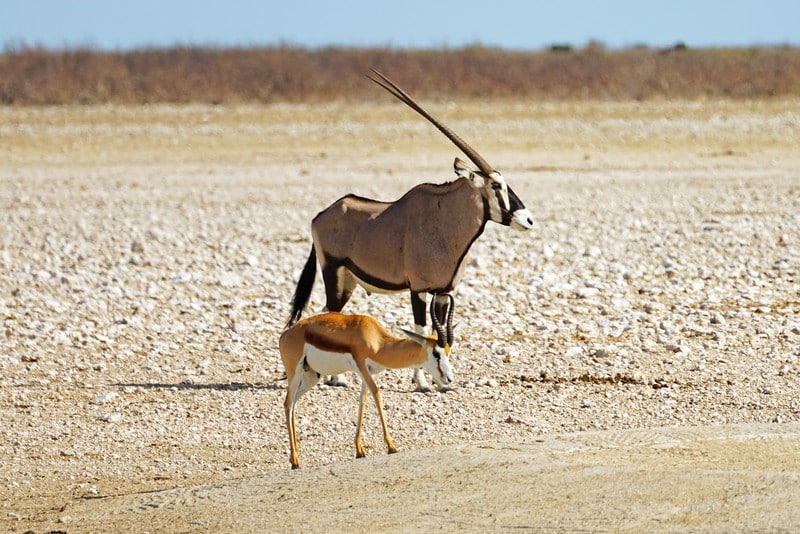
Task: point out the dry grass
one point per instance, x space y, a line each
536 136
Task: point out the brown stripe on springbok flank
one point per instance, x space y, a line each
326 344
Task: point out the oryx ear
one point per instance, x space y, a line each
462 171
416 337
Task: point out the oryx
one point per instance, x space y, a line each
418 242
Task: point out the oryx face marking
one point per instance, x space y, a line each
505 207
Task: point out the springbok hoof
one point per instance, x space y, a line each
295 466
359 455
392 451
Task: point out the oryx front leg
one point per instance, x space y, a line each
421 384
419 308
441 307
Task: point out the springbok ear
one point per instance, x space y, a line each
416 337
463 171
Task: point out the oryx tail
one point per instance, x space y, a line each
304 286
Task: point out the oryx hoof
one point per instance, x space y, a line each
420 386
337 382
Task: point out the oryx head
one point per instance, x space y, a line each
504 205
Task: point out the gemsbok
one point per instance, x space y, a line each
334 343
418 242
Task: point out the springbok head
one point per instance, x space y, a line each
438 349
505 207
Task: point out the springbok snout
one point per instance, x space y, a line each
444 376
440 368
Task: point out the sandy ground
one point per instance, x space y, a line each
631 363
726 479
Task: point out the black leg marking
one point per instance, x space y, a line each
419 307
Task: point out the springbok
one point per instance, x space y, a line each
418 242
333 343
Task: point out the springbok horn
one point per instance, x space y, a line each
470 152
450 319
442 339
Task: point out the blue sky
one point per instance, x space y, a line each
513 24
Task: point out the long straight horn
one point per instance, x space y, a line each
441 337
450 319
470 152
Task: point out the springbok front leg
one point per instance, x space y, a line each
360 452
368 382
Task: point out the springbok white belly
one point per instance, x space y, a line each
335 363
329 363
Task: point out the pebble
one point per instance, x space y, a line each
104 398
587 292
646 289
110 417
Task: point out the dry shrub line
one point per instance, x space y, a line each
35 76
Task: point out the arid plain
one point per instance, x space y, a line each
629 363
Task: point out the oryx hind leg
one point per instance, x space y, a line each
339 287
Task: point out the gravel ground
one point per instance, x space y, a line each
149 254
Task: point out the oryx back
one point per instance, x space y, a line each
418 242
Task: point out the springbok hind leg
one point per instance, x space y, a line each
299 384
291 423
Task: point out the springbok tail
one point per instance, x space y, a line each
304 286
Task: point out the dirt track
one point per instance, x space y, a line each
726 479
149 255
